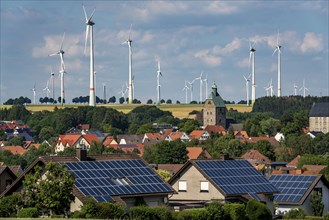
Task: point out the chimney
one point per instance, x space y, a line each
81 151
225 156
81 154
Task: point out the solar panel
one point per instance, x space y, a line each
292 187
103 179
235 176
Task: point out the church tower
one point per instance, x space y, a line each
214 109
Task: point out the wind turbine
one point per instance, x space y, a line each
185 88
253 84
47 89
206 82
89 31
304 89
128 41
34 94
158 80
269 89
104 93
133 85
62 69
295 89
122 92
52 81
247 87
278 49
201 82
191 88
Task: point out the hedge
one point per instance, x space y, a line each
150 213
28 213
256 210
192 214
235 211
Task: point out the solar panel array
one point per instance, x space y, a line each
104 179
236 176
292 187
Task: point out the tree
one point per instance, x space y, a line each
15 141
121 100
270 126
96 148
3 135
9 205
162 101
317 204
188 125
165 175
145 128
169 101
265 148
149 101
46 133
52 192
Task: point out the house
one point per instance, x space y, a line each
240 135
75 141
14 149
129 148
197 153
296 191
214 109
122 178
153 137
319 117
200 135
7 177
130 138
214 129
313 169
202 181
177 135
257 159
110 142
294 162
272 140
279 137
171 168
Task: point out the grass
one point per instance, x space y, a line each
178 110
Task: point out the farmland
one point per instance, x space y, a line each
178 110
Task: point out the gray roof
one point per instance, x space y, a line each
215 97
320 109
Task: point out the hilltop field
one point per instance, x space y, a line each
178 110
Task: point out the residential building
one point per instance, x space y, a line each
177 135
14 149
214 129
123 178
214 109
296 191
319 117
130 138
257 159
197 153
75 141
7 177
200 135
202 181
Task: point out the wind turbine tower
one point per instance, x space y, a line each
206 82
34 94
191 88
278 49
159 74
62 69
89 31
185 88
47 89
130 92
52 82
247 87
253 84
201 82
295 89
104 93
304 89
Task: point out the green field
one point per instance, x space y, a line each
178 110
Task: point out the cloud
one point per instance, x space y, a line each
312 43
208 58
72 45
220 7
229 48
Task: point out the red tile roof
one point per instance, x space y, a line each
243 134
197 152
154 136
108 140
69 139
90 138
294 162
176 135
215 129
14 149
196 134
314 169
256 157
272 140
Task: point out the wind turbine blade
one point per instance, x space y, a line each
62 41
249 58
244 77
92 14
253 44
250 46
84 10
274 51
53 54
130 31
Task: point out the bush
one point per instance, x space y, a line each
107 210
9 205
235 211
256 210
215 211
150 213
192 214
28 213
326 216
295 214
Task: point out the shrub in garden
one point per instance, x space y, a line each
256 210
28 213
295 214
235 211
215 211
192 214
150 213
106 210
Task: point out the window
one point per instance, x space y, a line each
121 181
204 186
182 185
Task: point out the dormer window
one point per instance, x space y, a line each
121 181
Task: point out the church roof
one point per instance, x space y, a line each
215 97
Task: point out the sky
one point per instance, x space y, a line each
188 37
